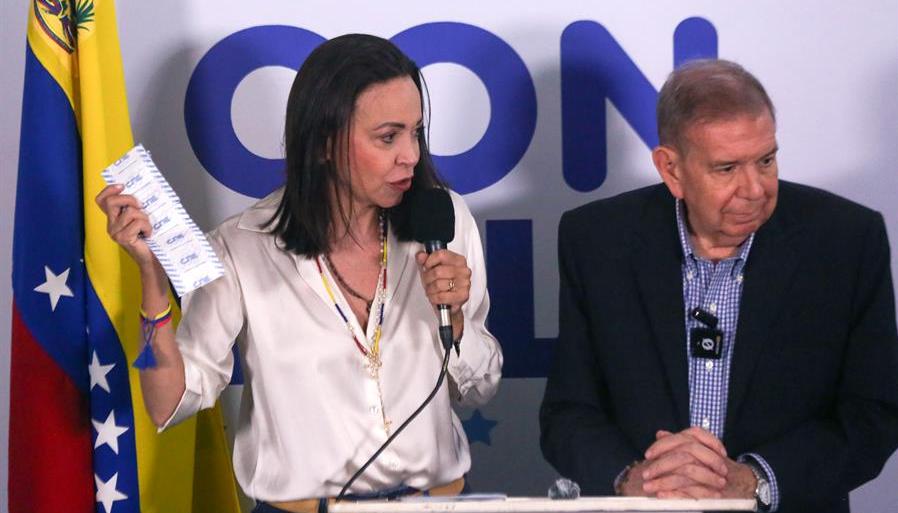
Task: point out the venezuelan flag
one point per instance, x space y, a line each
80 440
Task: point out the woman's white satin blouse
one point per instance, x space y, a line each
310 412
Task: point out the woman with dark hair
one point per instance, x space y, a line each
328 300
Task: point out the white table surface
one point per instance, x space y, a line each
535 505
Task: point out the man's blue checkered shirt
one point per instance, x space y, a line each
716 287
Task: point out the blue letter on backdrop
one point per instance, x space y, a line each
509 268
207 106
511 92
508 83
595 68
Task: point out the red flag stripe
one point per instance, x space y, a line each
49 422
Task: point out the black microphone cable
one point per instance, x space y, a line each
444 369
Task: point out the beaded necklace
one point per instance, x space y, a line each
346 287
371 352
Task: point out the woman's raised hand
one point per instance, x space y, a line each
127 224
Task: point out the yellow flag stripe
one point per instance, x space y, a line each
164 462
59 63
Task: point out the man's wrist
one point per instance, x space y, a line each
761 492
624 477
758 462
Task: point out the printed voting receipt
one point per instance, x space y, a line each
178 244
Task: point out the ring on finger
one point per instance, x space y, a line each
451 285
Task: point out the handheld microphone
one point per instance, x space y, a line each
432 218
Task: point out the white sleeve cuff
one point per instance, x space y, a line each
191 400
476 371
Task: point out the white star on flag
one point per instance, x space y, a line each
108 432
98 373
106 492
55 286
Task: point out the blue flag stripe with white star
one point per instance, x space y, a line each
48 202
107 463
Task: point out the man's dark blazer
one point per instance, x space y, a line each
814 379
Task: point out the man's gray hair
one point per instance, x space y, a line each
707 90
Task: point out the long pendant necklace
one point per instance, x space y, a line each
346 287
371 352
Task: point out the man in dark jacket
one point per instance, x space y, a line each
726 333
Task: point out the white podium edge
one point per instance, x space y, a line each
537 505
